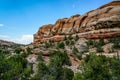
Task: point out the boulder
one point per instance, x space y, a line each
81 45
32 59
108 48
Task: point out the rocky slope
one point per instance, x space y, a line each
6 43
104 22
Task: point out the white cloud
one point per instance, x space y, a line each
25 39
1 25
3 36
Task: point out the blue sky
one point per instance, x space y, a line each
20 19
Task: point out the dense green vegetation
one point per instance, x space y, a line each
55 70
92 67
99 68
14 67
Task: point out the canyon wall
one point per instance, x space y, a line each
104 22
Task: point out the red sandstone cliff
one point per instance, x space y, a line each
103 22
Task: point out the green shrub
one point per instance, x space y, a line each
68 74
67 42
99 49
78 76
27 71
40 56
16 66
116 42
4 66
43 72
17 50
59 58
29 51
65 38
61 45
54 70
101 42
70 37
89 42
99 68
72 42
79 56
75 50
42 69
99 45
47 45
76 38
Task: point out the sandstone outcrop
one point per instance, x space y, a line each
104 22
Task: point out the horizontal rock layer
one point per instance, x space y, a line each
103 22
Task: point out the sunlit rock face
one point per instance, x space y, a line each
104 22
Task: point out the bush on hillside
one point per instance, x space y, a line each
76 37
59 58
18 50
72 42
116 42
65 38
75 50
61 45
70 37
99 68
67 42
98 45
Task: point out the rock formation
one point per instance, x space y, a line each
104 22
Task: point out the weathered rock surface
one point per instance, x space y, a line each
7 43
32 59
81 45
103 22
108 48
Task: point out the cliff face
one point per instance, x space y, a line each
103 22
